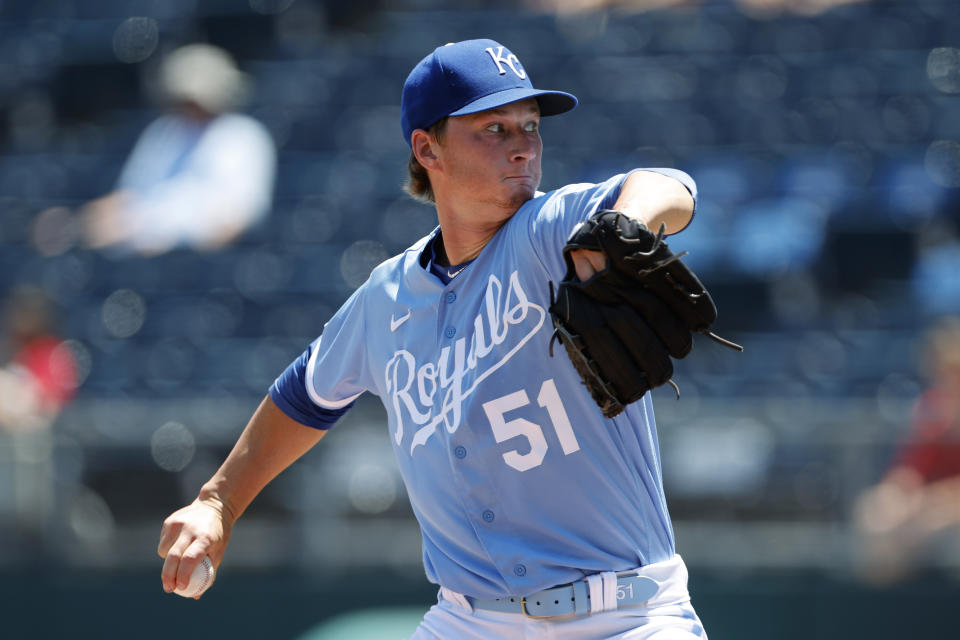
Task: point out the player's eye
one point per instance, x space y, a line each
495 127
531 126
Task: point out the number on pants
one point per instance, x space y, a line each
504 429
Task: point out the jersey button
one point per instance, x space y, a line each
520 570
451 297
488 516
460 452
450 332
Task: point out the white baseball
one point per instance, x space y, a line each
200 579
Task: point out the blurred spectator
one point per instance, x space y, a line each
40 376
37 381
200 174
913 514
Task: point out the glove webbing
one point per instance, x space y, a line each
676 285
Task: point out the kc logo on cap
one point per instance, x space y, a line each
511 60
469 77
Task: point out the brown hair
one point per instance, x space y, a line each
418 181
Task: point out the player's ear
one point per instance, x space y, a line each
424 149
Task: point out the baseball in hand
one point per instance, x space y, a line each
200 579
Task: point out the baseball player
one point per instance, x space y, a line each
541 516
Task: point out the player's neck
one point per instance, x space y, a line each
465 236
458 254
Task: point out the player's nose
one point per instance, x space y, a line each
524 148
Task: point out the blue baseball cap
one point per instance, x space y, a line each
467 77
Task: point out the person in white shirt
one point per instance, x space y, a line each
199 175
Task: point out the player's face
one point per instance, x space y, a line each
493 156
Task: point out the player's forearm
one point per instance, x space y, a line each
270 443
655 199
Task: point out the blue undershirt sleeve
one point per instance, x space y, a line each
289 393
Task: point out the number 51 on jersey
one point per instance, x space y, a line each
504 429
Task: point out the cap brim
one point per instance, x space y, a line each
551 102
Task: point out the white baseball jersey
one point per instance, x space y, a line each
517 480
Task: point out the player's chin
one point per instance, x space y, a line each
516 201
519 192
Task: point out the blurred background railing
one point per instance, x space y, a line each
825 140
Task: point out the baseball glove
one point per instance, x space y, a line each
622 326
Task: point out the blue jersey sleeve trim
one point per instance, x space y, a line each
289 393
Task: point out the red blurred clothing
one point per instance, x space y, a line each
53 369
933 447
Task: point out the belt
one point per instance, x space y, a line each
631 589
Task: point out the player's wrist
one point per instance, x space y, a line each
211 498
